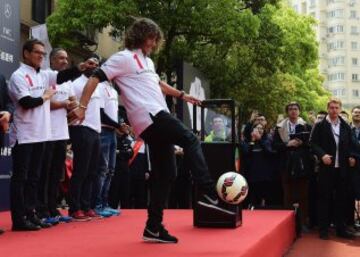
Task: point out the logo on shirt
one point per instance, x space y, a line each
28 79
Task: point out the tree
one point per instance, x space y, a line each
259 52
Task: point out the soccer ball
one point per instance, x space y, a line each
232 187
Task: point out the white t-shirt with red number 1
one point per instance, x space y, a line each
92 114
141 94
59 124
109 100
30 125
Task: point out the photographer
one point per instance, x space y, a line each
291 141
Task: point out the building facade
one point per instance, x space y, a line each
338 34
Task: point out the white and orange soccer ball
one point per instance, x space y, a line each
232 187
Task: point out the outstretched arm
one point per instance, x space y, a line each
169 90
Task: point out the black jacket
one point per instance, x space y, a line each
322 142
5 102
257 162
296 161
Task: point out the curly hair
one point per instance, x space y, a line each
139 31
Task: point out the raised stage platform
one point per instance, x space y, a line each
263 234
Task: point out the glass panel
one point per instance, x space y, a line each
217 122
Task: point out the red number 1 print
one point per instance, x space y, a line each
138 61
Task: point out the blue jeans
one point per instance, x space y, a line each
106 168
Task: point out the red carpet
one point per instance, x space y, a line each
264 233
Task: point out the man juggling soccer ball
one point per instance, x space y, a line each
142 94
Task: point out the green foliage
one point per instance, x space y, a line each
259 52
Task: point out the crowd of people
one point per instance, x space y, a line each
71 140
310 167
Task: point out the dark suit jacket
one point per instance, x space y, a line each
322 142
5 102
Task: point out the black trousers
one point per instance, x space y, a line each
27 161
161 136
86 149
51 173
119 192
332 188
181 191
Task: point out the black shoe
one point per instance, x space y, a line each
344 234
35 220
25 225
162 236
1 231
324 235
212 201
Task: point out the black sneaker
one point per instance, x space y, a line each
212 201
344 234
36 221
162 236
25 225
324 235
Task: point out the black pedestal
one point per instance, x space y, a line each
220 158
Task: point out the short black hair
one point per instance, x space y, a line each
355 107
292 104
344 112
29 45
322 113
54 52
92 56
217 116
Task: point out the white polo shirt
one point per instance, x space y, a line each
92 113
30 125
109 100
335 129
59 124
141 94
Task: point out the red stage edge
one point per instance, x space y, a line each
264 233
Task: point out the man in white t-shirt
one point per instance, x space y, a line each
142 94
30 89
109 125
85 140
55 149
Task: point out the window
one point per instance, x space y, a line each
336 76
355 93
352 14
336 45
336 29
41 9
354 30
338 60
354 45
355 61
336 14
312 3
354 77
339 92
